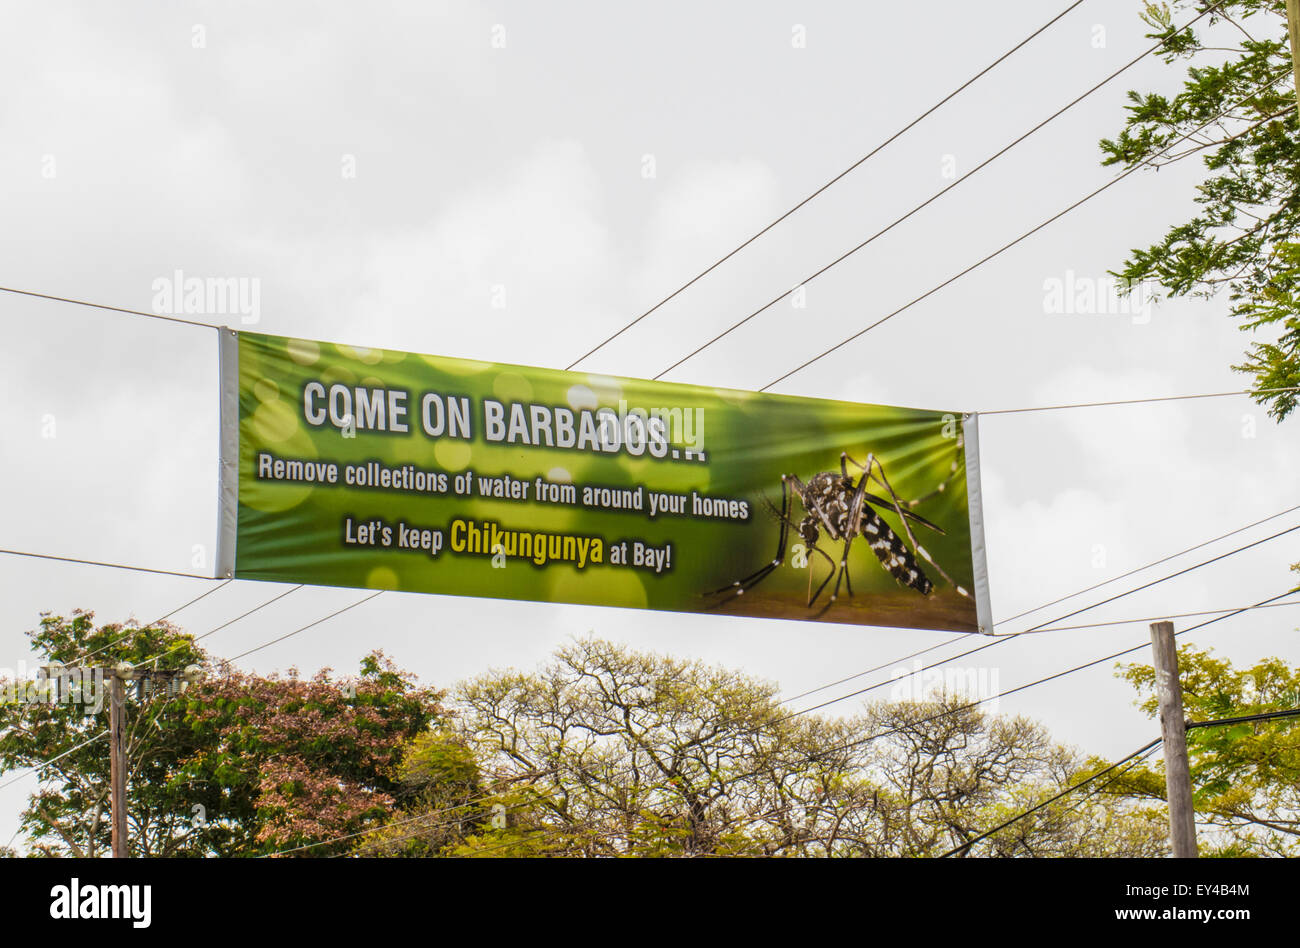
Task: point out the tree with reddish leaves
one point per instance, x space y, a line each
239 764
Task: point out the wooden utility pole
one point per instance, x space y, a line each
1293 27
117 766
1173 727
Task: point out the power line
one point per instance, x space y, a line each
1137 648
1122 653
1163 617
1136 757
934 197
1139 401
996 253
1140 569
1055 676
880 684
1054 628
114 309
1132 765
223 625
144 569
853 167
1162 579
861 674
1014 635
52 760
81 658
1061 599
1052 799
85 562
1246 718
307 626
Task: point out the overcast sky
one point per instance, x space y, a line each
503 148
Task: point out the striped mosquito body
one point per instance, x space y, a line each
843 509
829 500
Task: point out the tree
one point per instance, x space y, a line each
1243 239
950 772
238 764
287 763
607 751
440 802
1246 777
68 813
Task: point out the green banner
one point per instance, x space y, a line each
377 469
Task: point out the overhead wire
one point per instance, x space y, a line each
999 251
934 197
1159 618
1141 401
1014 635
1052 799
107 565
53 760
1136 757
136 629
116 309
853 167
309 625
1154 563
1069 671
190 642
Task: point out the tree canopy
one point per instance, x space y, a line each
237 765
1238 105
1245 777
608 751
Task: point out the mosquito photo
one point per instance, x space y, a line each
840 507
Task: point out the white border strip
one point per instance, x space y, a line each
975 504
228 461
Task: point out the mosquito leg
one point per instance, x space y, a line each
830 573
952 473
843 574
739 587
840 571
902 518
854 526
846 459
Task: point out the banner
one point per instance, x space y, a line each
346 466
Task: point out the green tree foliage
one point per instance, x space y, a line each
607 751
68 813
950 772
1243 238
440 800
237 765
1246 777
